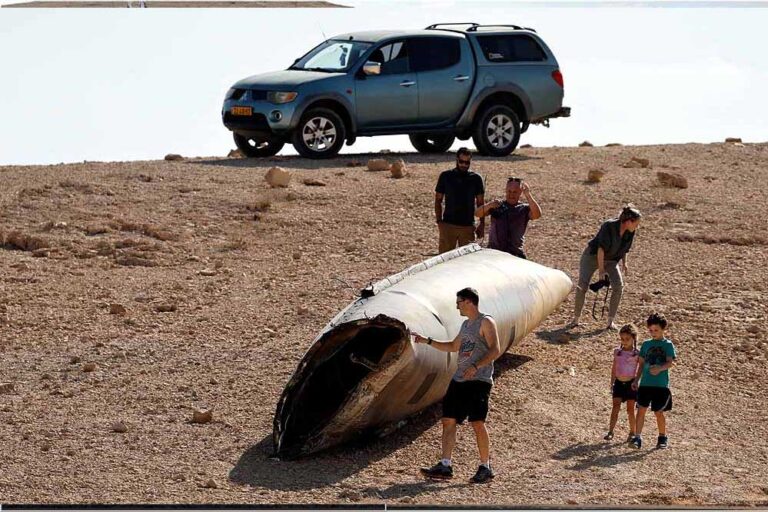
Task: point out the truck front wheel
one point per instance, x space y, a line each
496 131
320 134
425 143
257 147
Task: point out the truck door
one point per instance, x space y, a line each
445 69
391 98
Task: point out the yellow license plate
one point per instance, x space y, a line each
242 111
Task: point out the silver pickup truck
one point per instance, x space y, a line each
448 81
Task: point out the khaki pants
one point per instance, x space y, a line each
452 236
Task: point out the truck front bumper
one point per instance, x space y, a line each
266 119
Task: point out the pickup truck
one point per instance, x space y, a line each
448 81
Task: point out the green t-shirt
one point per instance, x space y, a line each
656 352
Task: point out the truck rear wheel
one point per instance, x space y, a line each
427 143
253 147
320 134
496 131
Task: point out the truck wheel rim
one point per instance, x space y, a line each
500 131
319 134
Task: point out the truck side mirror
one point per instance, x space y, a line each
371 68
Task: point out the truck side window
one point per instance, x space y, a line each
511 48
433 53
393 58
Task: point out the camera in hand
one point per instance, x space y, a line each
501 210
599 285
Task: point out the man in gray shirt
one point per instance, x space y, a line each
467 397
509 218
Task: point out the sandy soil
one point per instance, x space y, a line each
225 282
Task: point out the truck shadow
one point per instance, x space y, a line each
257 467
353 161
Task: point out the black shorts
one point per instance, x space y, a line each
624 390
467 399
659 399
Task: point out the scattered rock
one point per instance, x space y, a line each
89 367
165 308
753 329
612 145
211 484
74 359
637 163
6 387
595 176
733 139
41 253
278 177
526 146
672 180
134 261
208 272
202 416
301 310
586 144
173 157
312 182
297 255
235 153
119 427
378 164
572 371
117 309
646 297
398 169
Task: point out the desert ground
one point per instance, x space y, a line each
134 293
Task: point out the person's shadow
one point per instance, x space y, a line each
258 467
562 335
603 454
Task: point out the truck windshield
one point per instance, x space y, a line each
332 56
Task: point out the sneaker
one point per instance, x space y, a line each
438 471
483 475
608 436
663 443
637 442
630 437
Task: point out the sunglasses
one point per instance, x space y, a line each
514 180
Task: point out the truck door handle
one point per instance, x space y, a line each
461 78
407 83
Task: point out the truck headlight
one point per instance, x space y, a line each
279 97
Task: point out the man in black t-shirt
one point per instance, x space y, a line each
462 191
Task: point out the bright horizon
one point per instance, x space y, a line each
113 85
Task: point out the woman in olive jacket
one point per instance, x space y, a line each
604 253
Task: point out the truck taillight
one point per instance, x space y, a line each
557 76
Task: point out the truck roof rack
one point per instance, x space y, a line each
476 26
435 25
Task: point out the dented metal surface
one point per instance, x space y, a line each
362 372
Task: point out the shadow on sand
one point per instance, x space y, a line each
603 454
562 335
257 467
297 162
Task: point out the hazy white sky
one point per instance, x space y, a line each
120 84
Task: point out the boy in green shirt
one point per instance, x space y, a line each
657 355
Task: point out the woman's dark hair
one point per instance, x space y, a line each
629 212
469 294
632 331
657 319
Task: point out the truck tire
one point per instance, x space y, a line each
320 134
496 131
257 147
426 143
